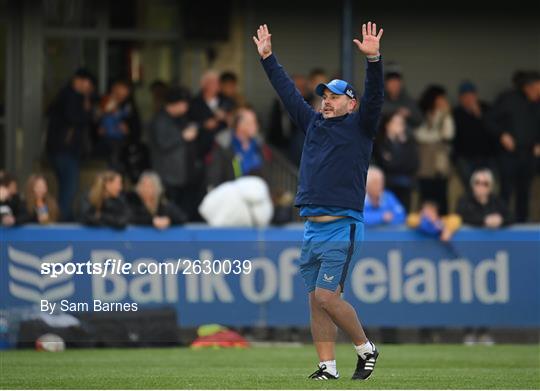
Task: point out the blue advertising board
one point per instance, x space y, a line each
401 279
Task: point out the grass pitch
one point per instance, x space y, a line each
398 367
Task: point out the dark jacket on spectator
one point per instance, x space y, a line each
174 159
515 114
284 134
26 217
473 139
474 213
13 206
114 213
404 100
69 123
140 215
199 111
398 160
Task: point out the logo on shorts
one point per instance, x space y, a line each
327 278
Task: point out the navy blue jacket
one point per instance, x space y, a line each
337 151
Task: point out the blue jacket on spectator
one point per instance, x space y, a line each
337 151
373 215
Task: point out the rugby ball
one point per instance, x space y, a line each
50 343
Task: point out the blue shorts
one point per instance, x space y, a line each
327 251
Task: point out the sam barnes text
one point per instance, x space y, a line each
95 305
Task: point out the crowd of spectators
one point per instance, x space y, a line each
195 142
420 144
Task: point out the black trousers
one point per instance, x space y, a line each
403 194
517 170
435 189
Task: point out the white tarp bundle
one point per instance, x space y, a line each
244 202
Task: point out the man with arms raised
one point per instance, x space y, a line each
331 192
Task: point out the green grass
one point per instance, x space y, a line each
398 367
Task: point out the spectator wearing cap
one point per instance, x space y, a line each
434 136
480 207
474 145
395 151
239 151
515 121
70 117
381 207
396 98
175 152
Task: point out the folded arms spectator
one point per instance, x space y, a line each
480 207
149 207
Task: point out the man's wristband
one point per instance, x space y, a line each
374 58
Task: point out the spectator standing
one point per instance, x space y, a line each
316 76
105 204
158 91
395 151
40 206
480 207
396 98
515 121
119 124
284 134
434 136
149 207
70 117
237 152
228 89
474 145
176 154
209 107
381 207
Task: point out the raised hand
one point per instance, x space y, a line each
370 39
263 41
